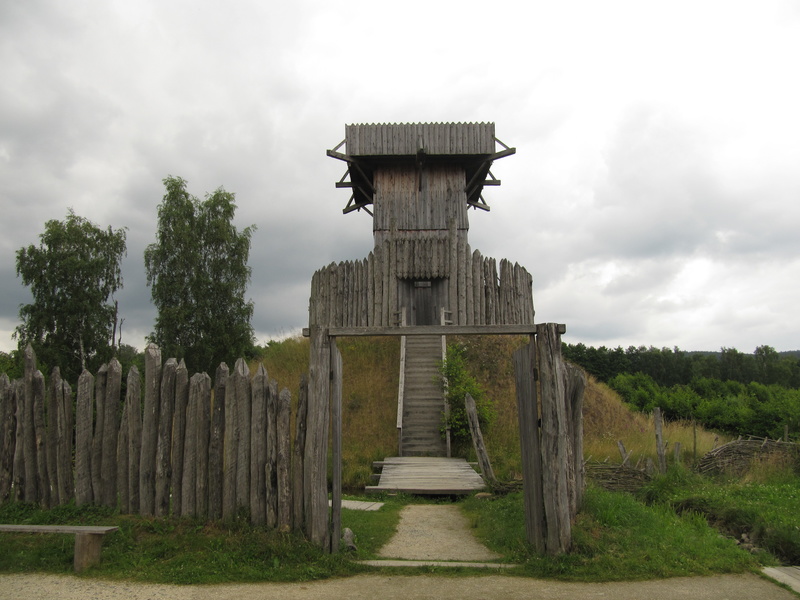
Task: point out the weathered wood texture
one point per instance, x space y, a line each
316 447
661 450
427 475
432 138
298 458
7 435
340 293
161 457
477 439
147 465
552 452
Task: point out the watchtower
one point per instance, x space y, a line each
422 281
418 182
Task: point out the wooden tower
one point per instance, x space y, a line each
422 281
418 182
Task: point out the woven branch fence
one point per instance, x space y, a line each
173 445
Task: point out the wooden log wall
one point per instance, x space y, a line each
551 440
364 293
411 202
182 451
398 139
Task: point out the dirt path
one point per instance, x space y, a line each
423 587
435 532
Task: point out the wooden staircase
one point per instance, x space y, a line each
423 399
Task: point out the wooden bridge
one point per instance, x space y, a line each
427 475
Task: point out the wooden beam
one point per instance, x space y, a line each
522 329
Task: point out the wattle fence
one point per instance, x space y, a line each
173 445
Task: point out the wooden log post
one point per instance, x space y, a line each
83 439
99 429
53 396
271 464
216 444
230 451
27 433
65 441
284 460
526 369
298 457
258 447
575 384
123 463
40 434
7 441
147 462
660 450
556 457
179 435
18 462
164 443
191 490
241 385
316 450
133 404
108 469
336 430
477 439
203 399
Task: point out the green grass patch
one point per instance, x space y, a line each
767 511
187 551
615 538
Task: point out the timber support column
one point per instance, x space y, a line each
316 450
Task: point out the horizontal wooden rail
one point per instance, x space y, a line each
527 329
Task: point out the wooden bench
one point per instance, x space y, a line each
88 539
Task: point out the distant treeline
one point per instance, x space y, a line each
741 394
735 408
668 367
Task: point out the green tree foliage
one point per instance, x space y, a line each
730 406
458 383
73 275
670 367
11 364
198 273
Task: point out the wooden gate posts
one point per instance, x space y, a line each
550 405
551 439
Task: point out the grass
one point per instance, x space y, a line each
186 551
763 504
663 533
615 538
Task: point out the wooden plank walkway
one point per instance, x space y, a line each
427 475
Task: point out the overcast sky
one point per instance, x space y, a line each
654 196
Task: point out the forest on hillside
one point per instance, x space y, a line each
737 393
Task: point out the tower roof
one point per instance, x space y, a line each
367 146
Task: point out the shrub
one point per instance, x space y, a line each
458 383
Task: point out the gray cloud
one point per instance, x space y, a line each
650 187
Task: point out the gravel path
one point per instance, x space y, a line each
435 532
422 587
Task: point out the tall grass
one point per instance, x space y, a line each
607 419
369 402
615 537
369 396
